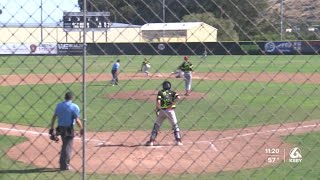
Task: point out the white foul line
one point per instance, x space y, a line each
250 134
268 131
211 142
43 134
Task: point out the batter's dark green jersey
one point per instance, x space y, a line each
166 98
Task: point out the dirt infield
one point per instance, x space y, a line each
13 80
123 152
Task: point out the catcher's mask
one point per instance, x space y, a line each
166 85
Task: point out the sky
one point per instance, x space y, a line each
29 11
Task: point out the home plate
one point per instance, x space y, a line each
155 147
102 144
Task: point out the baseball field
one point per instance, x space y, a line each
241 107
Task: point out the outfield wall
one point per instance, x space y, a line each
211 48
191 48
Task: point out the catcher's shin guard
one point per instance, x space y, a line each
176 132
154 132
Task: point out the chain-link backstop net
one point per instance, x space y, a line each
241 101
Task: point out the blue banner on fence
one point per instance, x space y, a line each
289 47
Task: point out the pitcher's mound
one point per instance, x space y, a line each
150 95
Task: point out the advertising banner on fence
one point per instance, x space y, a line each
283 47
46 48
70 49
194 48
27 49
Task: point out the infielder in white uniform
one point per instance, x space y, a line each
145 66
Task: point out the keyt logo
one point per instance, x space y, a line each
295 155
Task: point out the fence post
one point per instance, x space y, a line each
84 115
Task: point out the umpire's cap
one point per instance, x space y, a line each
69 95
166 85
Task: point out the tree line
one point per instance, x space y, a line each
236 20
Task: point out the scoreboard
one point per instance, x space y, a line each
95 21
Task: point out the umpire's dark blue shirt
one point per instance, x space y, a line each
67 112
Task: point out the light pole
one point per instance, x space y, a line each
0 14
41 20
163 11
281 19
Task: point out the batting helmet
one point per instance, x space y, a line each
166 85
185 58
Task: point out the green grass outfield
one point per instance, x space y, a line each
100 64
227 105
308 169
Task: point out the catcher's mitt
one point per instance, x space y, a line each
53 136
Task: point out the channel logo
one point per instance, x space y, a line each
295 155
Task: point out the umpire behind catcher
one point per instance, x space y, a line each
67 114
